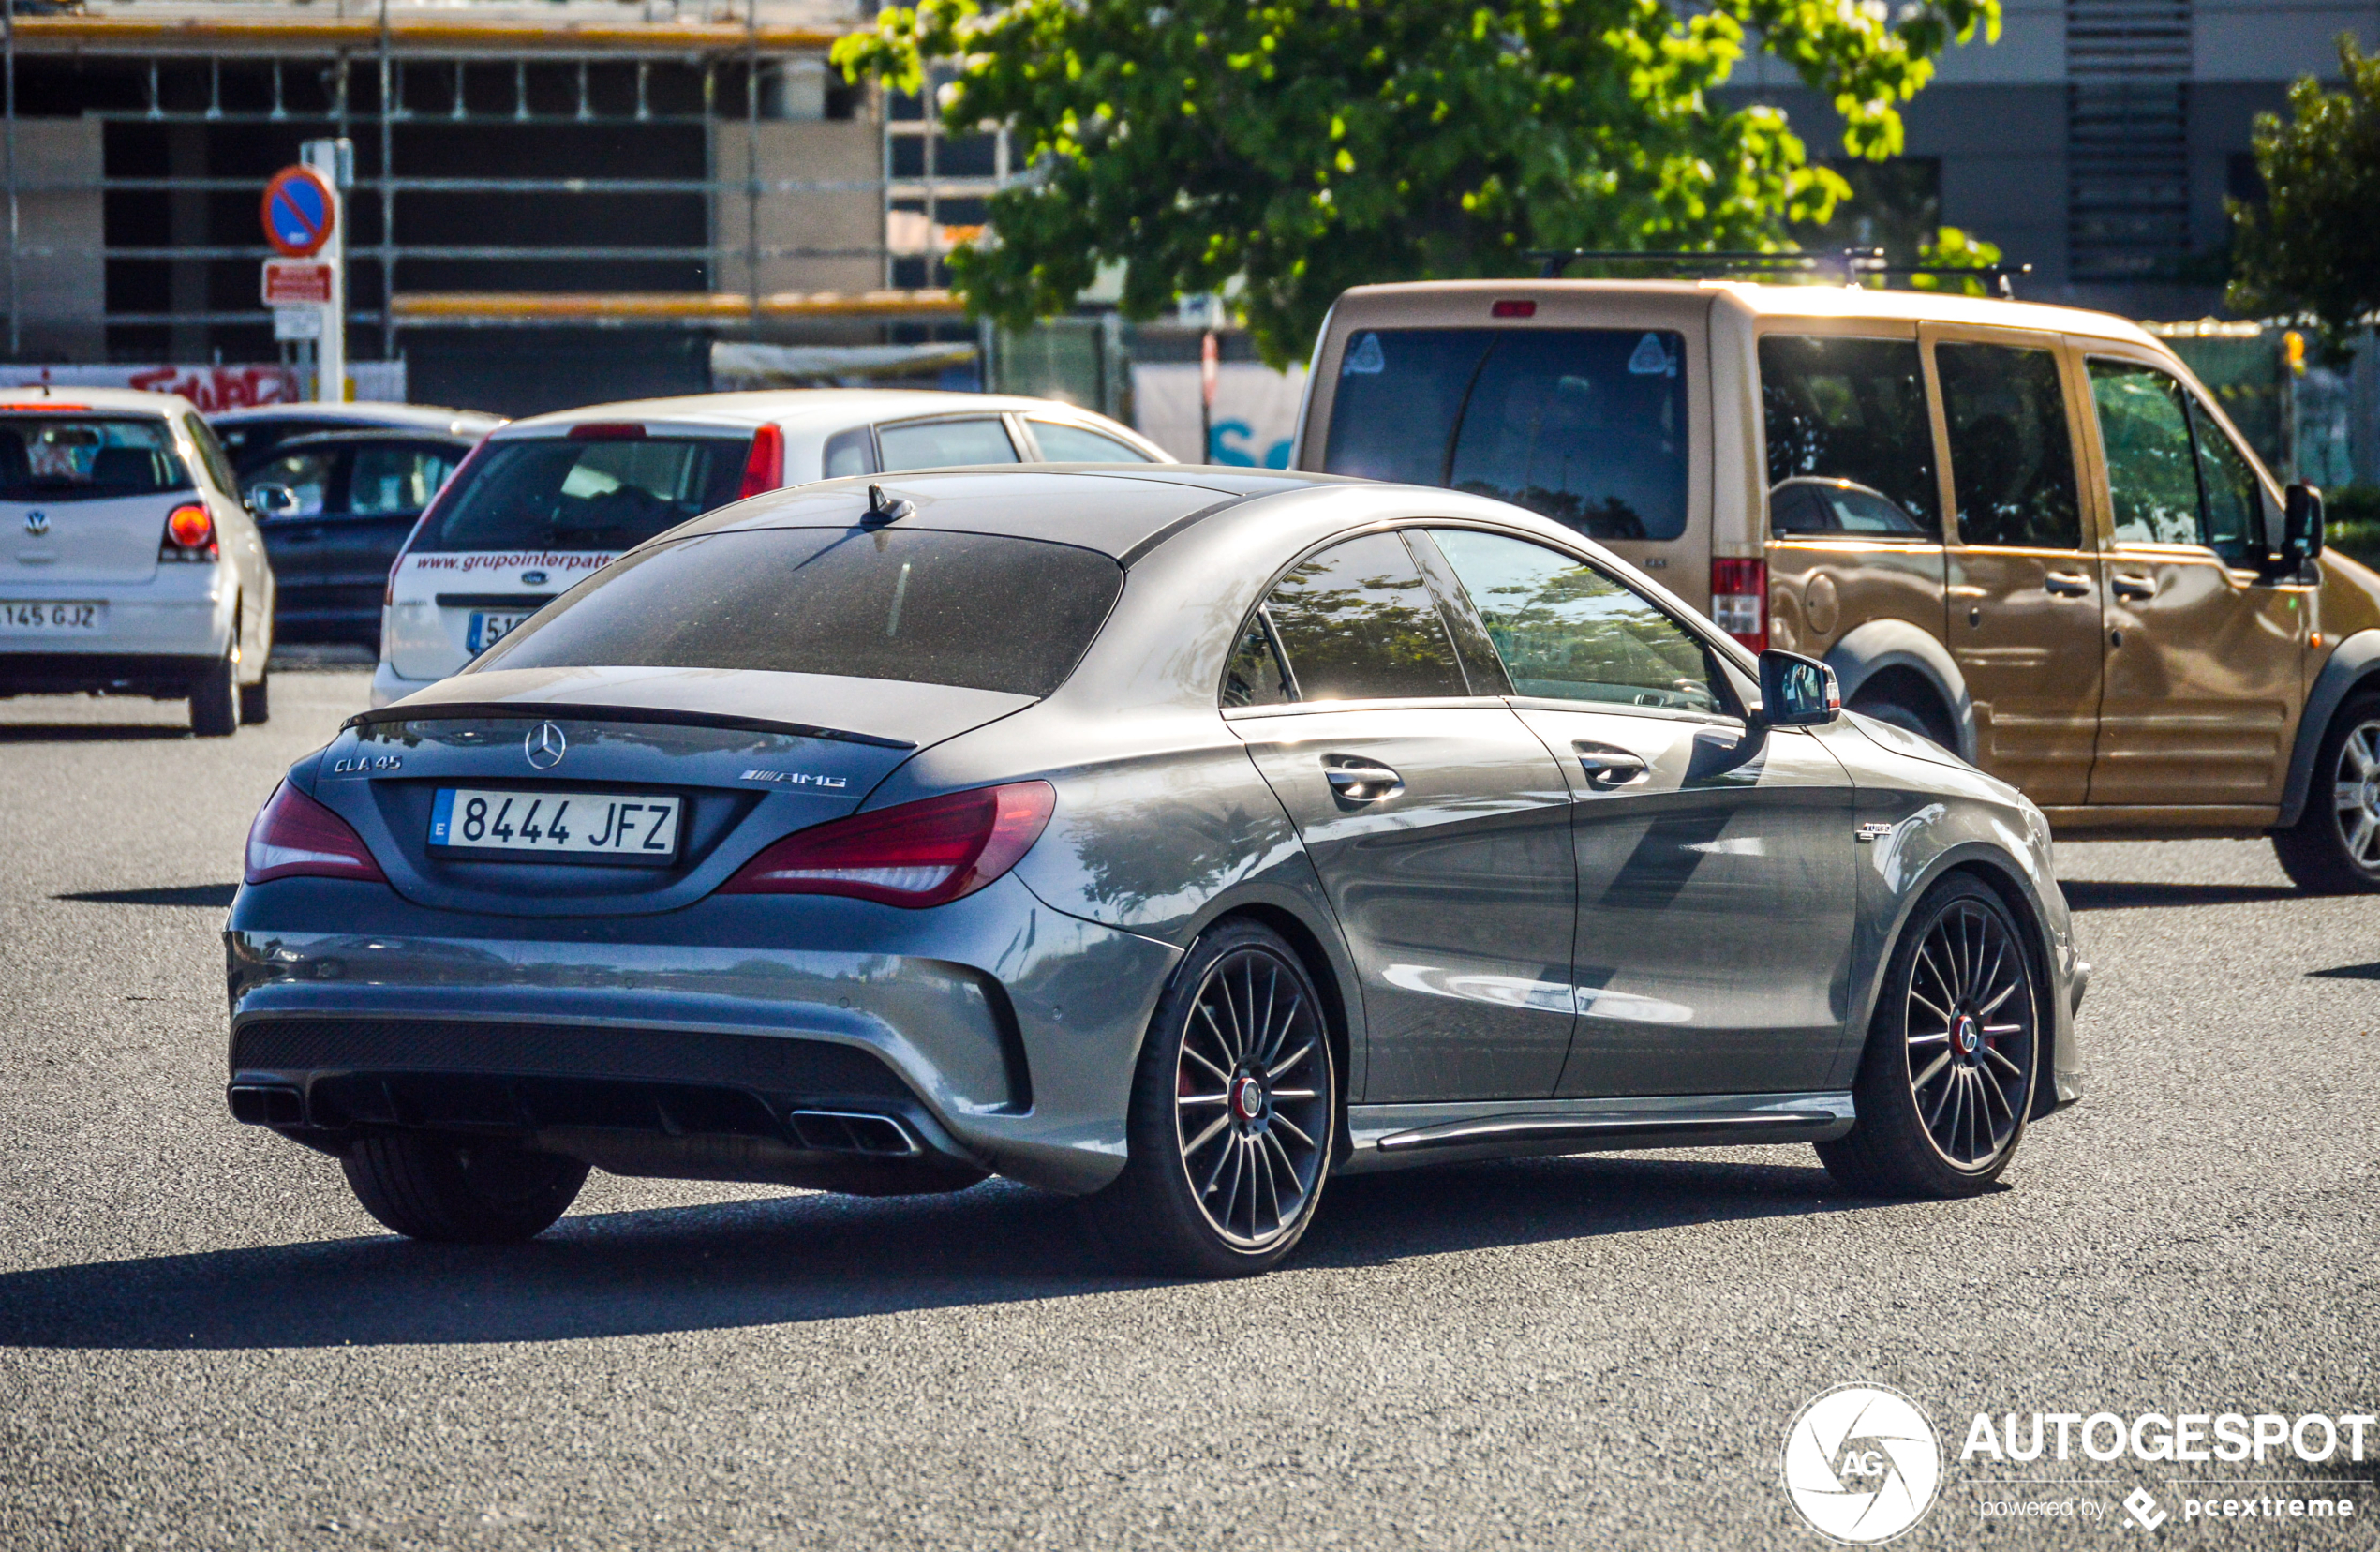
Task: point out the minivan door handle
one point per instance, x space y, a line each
2136 589
1607 767
1355 780
2066 584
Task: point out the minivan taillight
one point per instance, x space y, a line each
189 535
765 469
919 854
294 836
1739 601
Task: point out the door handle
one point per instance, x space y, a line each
2065 585
1607 767
1354 780
2136 589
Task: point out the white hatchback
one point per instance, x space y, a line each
546 501
136 569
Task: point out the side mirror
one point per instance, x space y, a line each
2301 524
1797 692
273 500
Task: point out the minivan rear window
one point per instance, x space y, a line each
86 458
1585 426
979 611
555 493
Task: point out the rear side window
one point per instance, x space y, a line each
945 445
86 458
392 480
210 452
2012 463
1585 426
852 451
1356 622
1063 443
1566 632
975 610
1853 412
561 494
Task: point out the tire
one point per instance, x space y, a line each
214 700
1233 1114
427 1186
1946 1082
1925 724
256 701
2334 847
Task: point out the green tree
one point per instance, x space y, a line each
1295 148
2312 247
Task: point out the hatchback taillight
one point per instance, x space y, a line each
919 854
1739 601
765 469
189 535
294 836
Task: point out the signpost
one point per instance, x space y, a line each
304 219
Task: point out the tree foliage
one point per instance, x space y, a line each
2314 247
1291 149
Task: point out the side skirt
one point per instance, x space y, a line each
1391 1136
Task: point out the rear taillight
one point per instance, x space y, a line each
919 854
765 469
297 837
189 535
1739 601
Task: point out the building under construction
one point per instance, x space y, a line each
629 179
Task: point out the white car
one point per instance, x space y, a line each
544 502
136 569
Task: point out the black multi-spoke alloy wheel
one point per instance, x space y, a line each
1234 1107
427 1186
1948 1078
2335 848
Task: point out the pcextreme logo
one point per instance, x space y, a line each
1862 1464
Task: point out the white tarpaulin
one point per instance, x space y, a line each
1255 412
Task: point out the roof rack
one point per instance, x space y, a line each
1853 263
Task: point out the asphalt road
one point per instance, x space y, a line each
204 1342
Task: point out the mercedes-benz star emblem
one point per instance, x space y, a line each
36 523
546 746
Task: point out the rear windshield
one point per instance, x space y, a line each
967 609
557 494
80 458
1585 426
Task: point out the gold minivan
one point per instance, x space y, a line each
2026 533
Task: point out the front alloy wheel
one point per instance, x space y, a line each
2335 848
1948 1078
1228 1141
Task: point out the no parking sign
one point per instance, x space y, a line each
300 209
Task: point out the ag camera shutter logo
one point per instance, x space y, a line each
1862 1464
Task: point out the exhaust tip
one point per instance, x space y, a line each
853 1132
261 1105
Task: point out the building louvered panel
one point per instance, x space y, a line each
2127 136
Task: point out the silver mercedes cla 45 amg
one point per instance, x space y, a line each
1176 839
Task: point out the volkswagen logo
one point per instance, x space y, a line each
36 523
546 746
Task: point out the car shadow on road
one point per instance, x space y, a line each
217 895
812 1257
88 732
2091 894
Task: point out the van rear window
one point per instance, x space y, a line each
1585 426
977 610
75 458
554 493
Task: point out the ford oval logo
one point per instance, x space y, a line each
36 523
533 579
546 746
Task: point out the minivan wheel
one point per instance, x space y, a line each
427 1186
1232 1114
2334 847
1948 1078
214 699
1926 724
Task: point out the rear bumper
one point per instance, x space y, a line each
996 1034
183 611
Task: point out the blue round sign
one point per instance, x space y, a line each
298 205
